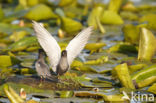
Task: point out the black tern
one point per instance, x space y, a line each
61 61
41 67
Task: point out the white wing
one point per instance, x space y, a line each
76 45
48 43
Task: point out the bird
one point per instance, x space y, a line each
41 67
60 61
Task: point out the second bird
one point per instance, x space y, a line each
41 67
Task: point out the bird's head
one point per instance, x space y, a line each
41 53
64 53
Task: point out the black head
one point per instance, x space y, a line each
64 53
41 53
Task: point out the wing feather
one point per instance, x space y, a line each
48 43
76 45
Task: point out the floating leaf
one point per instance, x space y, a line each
105 96
100 60
12 95
114 5
65 94
96 12
131 33
134 68
40 12
94 46
146 82
123 48
146 48
110 17
32 2
152 88
66 2
92 84
70 26
148 74
73 12
76 63
86 68
18 35
129 15
22 44
150 18
23 3
6 60
114 98
124 76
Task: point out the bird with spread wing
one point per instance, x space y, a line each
61 61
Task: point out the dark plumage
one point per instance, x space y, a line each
63 65
41 67
60 61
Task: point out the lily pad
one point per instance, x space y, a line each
146 82
12 95
18 35
66 2
6 60
110 17
94 46
114 5
152 88
32 2
148 73
100 60
131 33
22 44
40 12
146 48
96 12
134 68
65 94
70 26
129 15
124 76
150 18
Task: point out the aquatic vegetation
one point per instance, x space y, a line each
22 44
94 47
7 60
40 12
129 15
131 33
124 76
146 42
145 76
110 17
12 95
1 13
114 5
70 26
117 63
95 13
18 35
129 6
150 19
152 88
